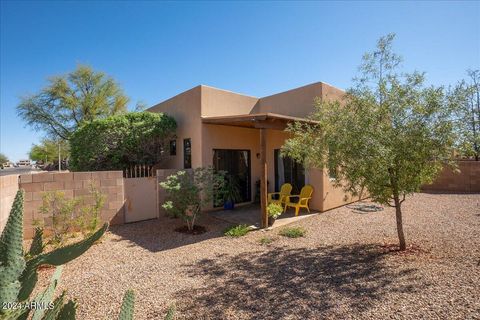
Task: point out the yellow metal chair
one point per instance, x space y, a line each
303 198
285 191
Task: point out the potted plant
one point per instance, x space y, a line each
274 210
230 192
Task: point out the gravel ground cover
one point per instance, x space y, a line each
342 269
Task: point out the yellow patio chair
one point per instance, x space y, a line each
303 198
285 191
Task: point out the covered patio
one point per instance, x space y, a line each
256 214
248 214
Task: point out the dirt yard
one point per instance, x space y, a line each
341 269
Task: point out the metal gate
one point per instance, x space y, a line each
141 202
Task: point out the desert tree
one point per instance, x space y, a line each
70 100
3 158
389 134
466 115
48 149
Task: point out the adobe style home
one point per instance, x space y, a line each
243 135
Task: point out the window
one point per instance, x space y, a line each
187 153
237 164
332 174
173 147
288 170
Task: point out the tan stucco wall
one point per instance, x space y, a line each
8 190
296 102
185 108
217 102
226 137
334 197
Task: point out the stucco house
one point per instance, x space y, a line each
243 135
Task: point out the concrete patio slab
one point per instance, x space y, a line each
250 215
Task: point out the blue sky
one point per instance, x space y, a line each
158 49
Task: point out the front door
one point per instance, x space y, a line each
288 170
237 164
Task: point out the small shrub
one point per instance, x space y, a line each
237 231
274 210
188 193
63 212
292 232
90 219
266 240
70 215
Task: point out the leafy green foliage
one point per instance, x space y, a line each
71 100
274 210
266 240
237 231
128 306
47 150
120 141
3 158
63 212
230 190
90 215
292 232
70 215
389 135
189 192
467 115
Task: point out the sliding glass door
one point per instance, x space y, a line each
237 164
288 170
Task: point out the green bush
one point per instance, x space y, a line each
120 141
237 231
189 192
292 232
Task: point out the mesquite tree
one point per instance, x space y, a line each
389 135
71 100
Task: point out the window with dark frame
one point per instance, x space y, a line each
187 153
173 147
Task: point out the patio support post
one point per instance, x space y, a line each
263 178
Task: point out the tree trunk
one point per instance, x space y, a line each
398 213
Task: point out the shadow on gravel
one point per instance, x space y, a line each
294 284
159 234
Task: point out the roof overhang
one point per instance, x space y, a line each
257 121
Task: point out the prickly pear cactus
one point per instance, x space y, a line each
12 262
128 305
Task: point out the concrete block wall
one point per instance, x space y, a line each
73 185
8 190
466 181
